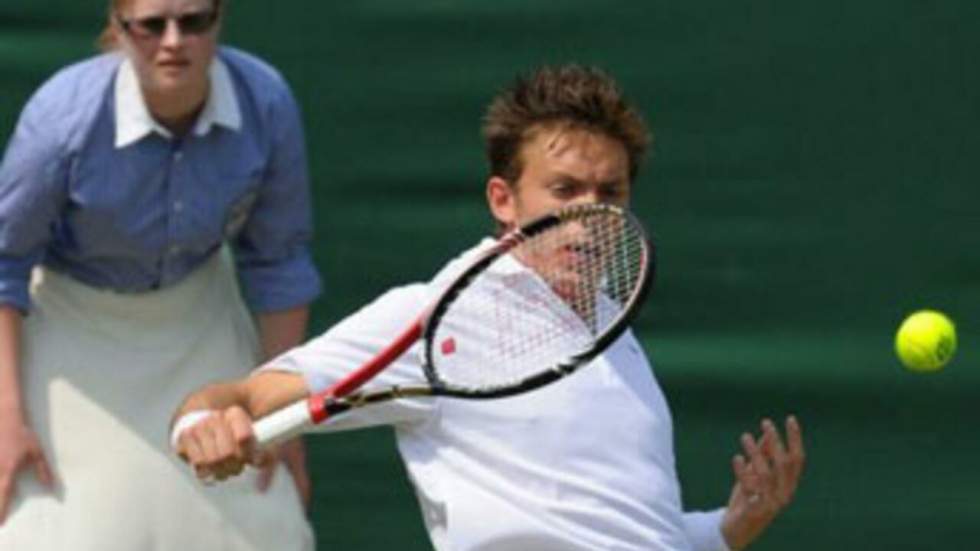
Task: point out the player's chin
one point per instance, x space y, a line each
569 287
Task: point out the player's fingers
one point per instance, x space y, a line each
764 497
208 461
229 434
197 459
755 457
745 477
794 439
776 452
741 472
189 449
226 440
242 432
748 495
795 455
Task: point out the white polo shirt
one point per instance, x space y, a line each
585 463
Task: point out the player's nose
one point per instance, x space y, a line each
588 196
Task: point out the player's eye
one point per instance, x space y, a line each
564 189
614 191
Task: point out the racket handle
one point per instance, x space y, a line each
283 424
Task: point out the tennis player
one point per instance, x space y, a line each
585 463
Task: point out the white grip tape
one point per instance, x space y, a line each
282 425
185 422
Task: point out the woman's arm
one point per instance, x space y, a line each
19 446
281 331
11 403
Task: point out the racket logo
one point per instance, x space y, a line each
448 346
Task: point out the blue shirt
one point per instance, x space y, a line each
140 216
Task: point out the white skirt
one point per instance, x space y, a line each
102 373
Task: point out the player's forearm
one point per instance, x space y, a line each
282 330
11 401
258 395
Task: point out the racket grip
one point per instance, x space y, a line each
283 424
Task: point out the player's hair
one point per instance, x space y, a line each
108 40
569 95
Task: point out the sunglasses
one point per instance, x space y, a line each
195 23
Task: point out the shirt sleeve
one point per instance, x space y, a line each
32 194
703 529
355 340
272 251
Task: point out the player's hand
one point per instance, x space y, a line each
293 456
19 449
766 479
221 445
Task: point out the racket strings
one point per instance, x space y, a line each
550 298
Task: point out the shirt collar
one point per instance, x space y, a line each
133 119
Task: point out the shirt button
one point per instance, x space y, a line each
178 206
174 250
178 156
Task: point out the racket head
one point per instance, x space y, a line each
545 300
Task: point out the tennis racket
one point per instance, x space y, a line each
546 299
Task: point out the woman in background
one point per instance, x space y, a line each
126 176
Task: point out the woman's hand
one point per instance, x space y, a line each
19 449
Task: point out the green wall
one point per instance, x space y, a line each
813 180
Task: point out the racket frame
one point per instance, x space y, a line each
342 396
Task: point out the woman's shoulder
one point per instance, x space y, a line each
256 73
82 81
70 99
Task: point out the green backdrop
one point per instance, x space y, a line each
813 180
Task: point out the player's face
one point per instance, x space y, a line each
561 166
173 59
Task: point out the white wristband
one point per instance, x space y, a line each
703 529
187 421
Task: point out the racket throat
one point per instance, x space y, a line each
324 407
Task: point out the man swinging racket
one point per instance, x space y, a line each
584 463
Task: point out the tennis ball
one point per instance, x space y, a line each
926 341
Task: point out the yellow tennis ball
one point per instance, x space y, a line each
926 341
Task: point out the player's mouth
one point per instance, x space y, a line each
579 253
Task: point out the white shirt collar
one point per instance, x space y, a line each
133 119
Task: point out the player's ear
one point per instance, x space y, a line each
501 199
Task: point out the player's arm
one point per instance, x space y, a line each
218 439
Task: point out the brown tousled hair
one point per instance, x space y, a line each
569 95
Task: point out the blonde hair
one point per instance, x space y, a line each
108 40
